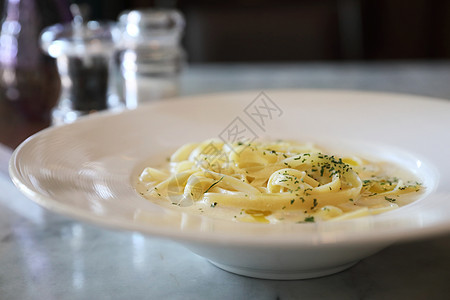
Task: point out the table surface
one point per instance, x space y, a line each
46 256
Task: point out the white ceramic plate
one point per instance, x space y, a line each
87 171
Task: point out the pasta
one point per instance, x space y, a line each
275 181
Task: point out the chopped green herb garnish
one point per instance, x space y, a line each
389 199
314 203
309 219
212 185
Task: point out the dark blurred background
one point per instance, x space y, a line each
303 30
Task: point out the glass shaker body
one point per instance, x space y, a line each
150 55
84 58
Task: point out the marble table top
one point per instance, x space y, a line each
46 256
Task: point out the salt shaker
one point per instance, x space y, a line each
150 54
83 52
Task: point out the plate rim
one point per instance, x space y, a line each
79 214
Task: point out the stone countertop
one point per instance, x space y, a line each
46 256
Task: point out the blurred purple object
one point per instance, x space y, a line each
29 80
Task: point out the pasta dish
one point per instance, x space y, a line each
276 181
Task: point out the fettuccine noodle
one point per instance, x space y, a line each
274 181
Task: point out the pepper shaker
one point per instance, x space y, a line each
83 52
